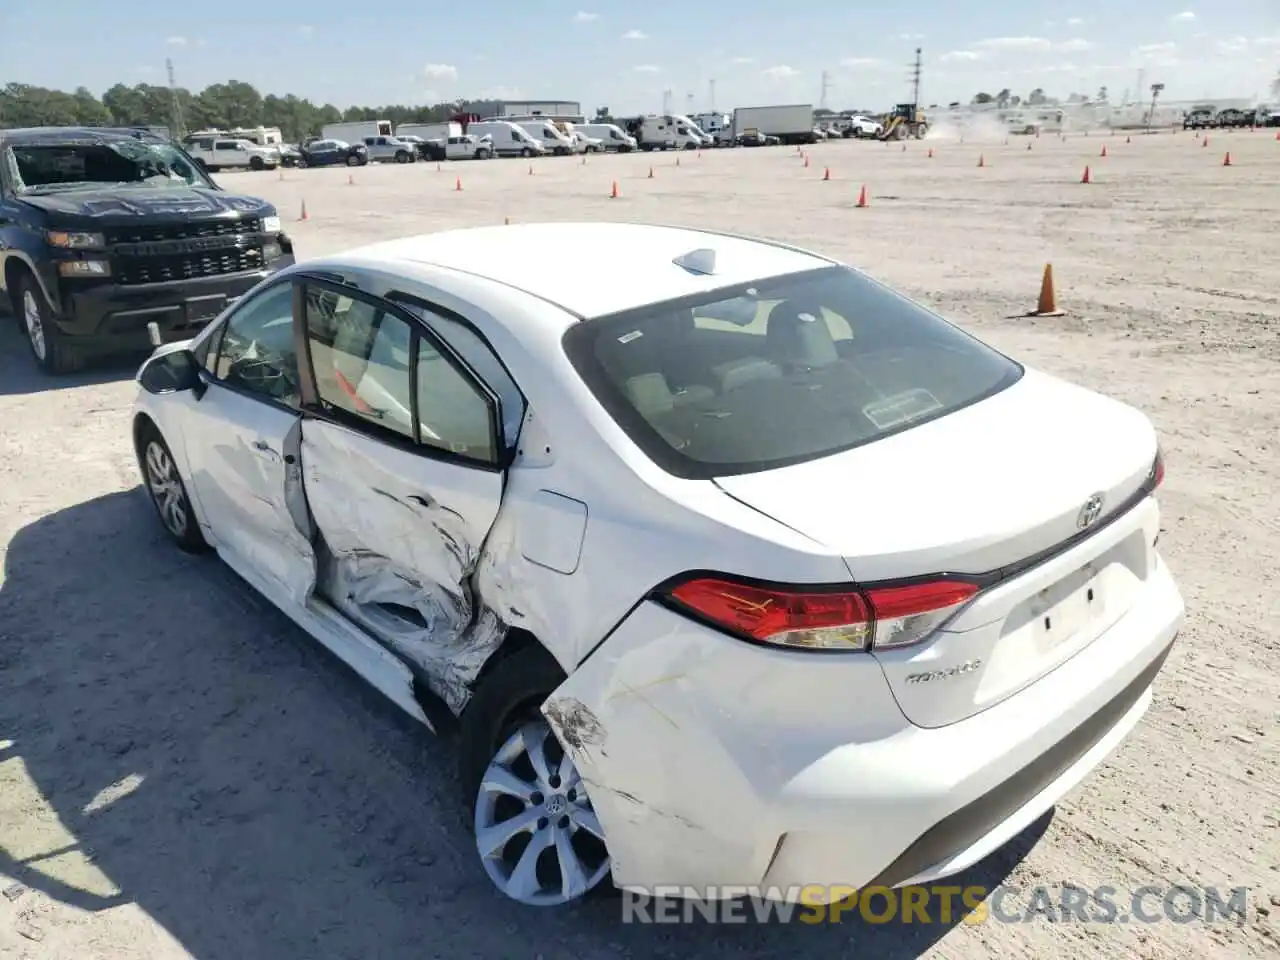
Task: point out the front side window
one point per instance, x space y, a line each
779 372
256 353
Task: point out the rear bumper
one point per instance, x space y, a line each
715 763
116 318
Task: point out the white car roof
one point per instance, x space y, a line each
593 269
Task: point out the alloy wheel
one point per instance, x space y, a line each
34 324
166 489
535 828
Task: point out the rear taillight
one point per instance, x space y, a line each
1157 471
855 619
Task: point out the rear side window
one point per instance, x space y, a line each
780 372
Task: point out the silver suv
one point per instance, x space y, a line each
391 148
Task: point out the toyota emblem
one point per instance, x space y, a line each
1090 512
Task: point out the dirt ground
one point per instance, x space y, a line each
183 774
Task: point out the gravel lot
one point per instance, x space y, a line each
182 773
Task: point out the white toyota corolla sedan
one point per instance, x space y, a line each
735 566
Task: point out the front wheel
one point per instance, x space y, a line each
526 153
168 493
256 163
402 157
353 161
52 350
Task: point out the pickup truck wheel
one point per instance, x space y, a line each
402 157
255 163
50 347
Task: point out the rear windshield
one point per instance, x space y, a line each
779 372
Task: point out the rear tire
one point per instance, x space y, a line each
502 732
52 350
256 163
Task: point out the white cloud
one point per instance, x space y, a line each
1185 17
911 36
1075 46
742 61
1015 43
440 71
635 35
1157 49
781 72
306 30
647 68
583 17
856 62
177 41
960 56
1234 45
1076 21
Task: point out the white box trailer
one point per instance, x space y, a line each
355 131
430 131
790 123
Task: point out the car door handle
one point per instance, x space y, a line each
265 448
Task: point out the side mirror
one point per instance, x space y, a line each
173 373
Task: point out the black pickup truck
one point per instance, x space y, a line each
104 231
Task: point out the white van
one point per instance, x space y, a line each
668 133
551 137
611 136
509 140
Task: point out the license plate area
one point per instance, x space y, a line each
204 309
1067 608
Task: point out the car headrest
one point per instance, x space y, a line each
798 334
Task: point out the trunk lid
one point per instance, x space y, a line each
978 492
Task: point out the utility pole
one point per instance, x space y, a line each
175 105
826 86
1155 95
711 106
916 69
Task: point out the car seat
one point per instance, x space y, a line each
799 337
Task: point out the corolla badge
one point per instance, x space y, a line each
1090 512
958 670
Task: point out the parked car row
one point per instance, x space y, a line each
1231 117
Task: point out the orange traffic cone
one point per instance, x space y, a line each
931 151
982 160
615 193
457 184
531 169
1103 152
1086 178
1127 140
584 159
826 173
437 168
1278 134
351 179
282 176
303 215
1205 141
806 161
677 161
862 197
699 155
1226 161
1047 305
651 173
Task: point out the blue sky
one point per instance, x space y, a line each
624 55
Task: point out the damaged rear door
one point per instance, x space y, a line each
402 454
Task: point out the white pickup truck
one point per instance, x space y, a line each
223 153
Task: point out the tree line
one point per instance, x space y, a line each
220 106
